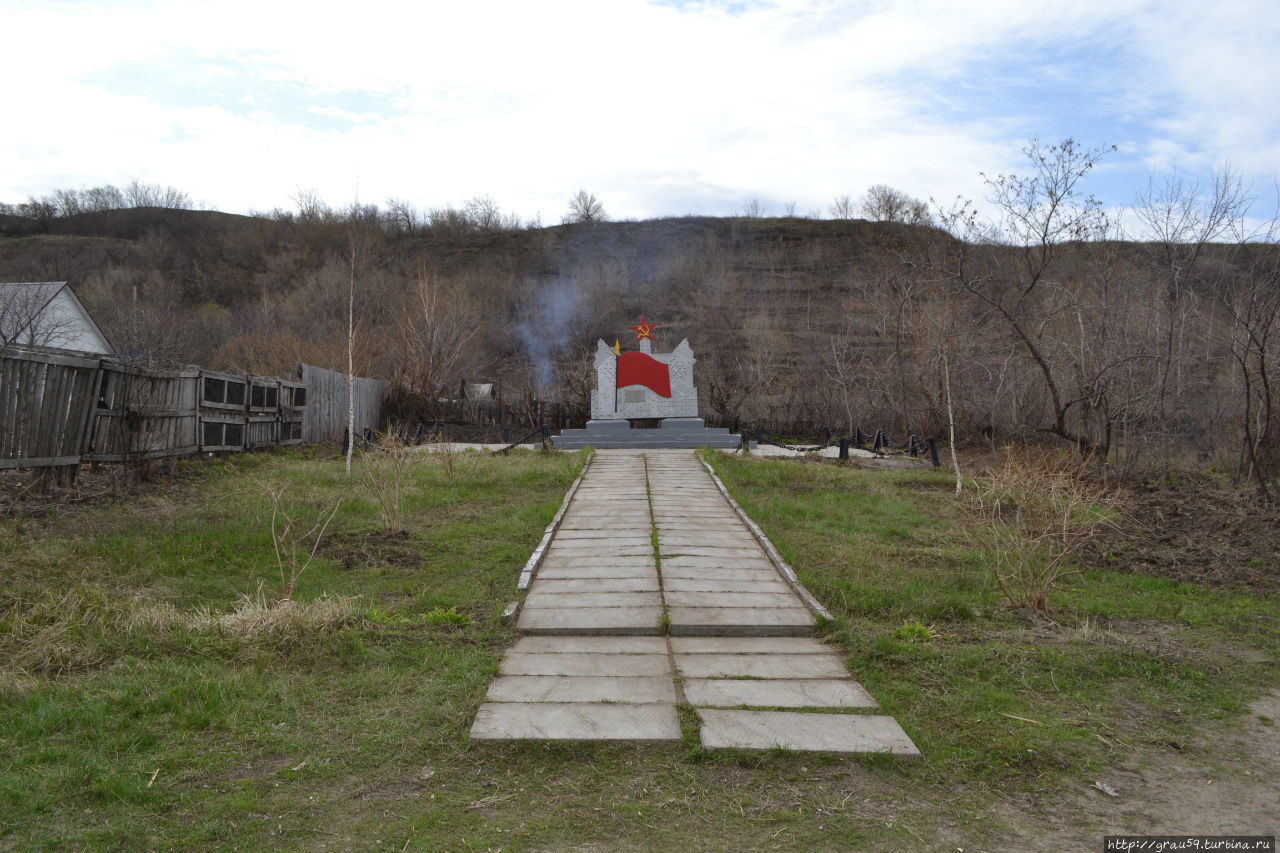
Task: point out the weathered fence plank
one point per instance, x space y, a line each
58 410
325 415
44 399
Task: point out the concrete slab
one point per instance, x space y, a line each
639 527
640 621
726 556
583 663
563 585
678 598
576 721
777 693
606 534
732 629
540 598
699 583
749 646
583 688
594 569
758 666
792 730
687 509
571 548
706 539
723 578
597 561
591 645
673 562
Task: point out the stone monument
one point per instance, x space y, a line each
646 387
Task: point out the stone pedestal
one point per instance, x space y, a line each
645 386
673 432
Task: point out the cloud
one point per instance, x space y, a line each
652 106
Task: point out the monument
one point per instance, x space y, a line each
644 399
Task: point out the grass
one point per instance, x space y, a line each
929 634
152 698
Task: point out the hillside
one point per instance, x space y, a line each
1142 352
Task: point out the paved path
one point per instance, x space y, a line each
618 633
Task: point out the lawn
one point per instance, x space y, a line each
152 697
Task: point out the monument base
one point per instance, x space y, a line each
672 432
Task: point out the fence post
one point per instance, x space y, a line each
844 447
933 451
857 437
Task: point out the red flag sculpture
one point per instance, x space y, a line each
638 368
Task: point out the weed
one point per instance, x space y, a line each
1033 514
286 520
440 616
914 631
385 461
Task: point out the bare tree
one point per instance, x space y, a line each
841 364
483 213
741 369
402 217
584 207
885 204
437 331
1251 298
27 316
141 194
1043 215
1182 219
311 207
842 207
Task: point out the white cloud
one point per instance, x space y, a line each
649 106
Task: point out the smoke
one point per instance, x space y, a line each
546 325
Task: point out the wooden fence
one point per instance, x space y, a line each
327 403
58 410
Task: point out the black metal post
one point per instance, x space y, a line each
346 440
844 448
913 446
857 437
933 451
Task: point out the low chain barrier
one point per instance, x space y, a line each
881 444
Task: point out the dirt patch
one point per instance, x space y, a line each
1199 530
158 479
1223 784
373 548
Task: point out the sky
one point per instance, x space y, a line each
657 107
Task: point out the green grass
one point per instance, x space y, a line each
886 551
137 713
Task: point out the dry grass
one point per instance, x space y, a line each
1033 514
385 463
86 626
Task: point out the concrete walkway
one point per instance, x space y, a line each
618 633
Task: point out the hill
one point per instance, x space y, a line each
1137 351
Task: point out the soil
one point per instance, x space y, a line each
1200 530
1224 784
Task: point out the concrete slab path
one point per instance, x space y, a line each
618 632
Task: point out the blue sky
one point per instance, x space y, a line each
659 108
